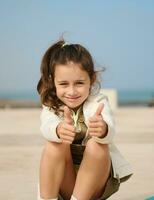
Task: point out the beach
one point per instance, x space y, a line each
21 144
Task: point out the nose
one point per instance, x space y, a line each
72 91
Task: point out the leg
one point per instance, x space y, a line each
67 186
94 166
52 168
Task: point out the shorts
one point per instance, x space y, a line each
112 184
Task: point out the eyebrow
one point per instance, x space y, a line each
79 80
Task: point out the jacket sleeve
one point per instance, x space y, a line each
49 123
108 118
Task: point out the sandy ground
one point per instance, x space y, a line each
21 144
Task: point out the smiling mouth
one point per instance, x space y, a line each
72 98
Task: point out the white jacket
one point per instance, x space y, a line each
49 122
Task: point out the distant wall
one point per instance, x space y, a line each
112 96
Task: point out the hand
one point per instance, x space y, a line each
65 129
97 126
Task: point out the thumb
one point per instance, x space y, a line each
67 115
99 109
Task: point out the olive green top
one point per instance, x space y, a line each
80 126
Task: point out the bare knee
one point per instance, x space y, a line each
55 150
97 150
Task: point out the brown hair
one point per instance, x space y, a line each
61 53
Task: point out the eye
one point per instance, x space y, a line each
63 83
80 83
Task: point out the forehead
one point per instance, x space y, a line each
70 71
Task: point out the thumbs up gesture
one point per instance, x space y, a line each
97 126
65 129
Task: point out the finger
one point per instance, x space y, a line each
67 137
68 127
67 132
99 109
66 142
94 134
67 115
95 130
95 124
97 118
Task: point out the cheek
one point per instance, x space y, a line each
86 91
59 91
88 88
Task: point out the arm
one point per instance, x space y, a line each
49 123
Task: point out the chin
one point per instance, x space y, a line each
73 105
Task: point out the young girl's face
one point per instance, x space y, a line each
72 84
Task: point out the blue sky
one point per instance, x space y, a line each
119 35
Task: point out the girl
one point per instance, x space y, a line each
79 160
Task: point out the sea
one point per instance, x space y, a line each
136 97
125 97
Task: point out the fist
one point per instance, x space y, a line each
97 126
65 129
